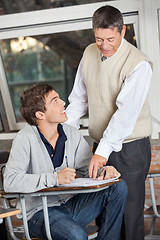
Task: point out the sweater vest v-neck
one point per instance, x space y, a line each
103 83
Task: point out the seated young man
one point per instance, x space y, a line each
37 161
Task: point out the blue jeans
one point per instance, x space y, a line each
68 220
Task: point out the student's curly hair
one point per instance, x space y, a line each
33 100
107 17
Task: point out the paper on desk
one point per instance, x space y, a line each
86 182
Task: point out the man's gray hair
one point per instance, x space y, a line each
107 17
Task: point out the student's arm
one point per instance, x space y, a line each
18 176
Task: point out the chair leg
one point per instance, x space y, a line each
9 222
152 225
24 216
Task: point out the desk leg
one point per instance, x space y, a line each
153 197
25 222
46 218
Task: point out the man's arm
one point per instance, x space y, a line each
129 103
83 156
78 100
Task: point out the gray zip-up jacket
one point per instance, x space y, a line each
30 168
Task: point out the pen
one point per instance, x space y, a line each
66 161
104 173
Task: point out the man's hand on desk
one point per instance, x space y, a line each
66 175
96 161
109 172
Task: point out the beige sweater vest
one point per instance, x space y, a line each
103 83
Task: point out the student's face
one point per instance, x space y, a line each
108 40
55 112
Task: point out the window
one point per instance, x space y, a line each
49 58
46 48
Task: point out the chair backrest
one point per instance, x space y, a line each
3 159
4 156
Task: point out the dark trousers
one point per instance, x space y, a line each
3 231
133 163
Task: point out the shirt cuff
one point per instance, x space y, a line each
73 124
104 149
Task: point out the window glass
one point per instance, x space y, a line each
51 58
16 6
47 58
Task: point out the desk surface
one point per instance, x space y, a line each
154 171
60 190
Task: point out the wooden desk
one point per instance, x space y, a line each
8 212
44 193
153 173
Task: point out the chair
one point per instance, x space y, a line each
91 230
154 210
7 210
44 193
3 159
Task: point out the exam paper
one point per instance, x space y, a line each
86 182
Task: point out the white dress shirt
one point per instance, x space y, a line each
130 100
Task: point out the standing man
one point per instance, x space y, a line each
37 161
112 82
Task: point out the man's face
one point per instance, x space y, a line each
55 112
108 40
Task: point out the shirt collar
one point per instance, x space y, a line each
62 135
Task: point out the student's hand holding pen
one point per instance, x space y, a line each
66 175
109 172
